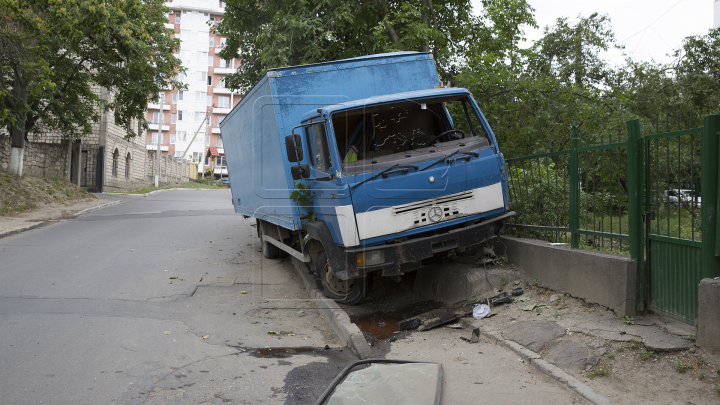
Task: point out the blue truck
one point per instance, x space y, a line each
364 166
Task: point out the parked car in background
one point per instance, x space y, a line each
225 181
676 196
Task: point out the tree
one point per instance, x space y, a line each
266 35
55 56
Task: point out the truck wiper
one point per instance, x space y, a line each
467 157
385 173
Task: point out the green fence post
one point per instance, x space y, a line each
574 190
709 189
636 167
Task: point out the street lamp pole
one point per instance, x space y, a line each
160 136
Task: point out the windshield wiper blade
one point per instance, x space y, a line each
440 160
386 172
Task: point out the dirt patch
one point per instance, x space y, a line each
23 194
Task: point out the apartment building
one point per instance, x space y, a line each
206 102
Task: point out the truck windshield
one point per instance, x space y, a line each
406 131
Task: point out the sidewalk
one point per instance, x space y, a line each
50 213
641 360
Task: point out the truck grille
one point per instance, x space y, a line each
447 203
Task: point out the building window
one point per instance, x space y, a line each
200 96
172 139
173 118
226 63
209 80
156 118
174 98
209 100
200 158
223 102
180 115
201 76
220 161
212 38
198 116
207 160
210 60
222 4
181 136
182 96
222 44
177 18
202 35
181 76
207 140
220 119
219 142
154 138
195 157
115 163
202 56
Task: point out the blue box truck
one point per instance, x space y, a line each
364 166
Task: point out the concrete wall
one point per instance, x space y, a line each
708 321
41 159
600 278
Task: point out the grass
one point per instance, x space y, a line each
631 345
601 370
190 184
10 210
682 366
647 354
20 194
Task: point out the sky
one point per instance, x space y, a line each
647 29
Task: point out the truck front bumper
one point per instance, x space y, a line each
414 250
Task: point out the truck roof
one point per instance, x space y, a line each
450 91
313 67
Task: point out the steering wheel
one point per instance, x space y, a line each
452 131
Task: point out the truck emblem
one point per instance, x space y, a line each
431 179
435 213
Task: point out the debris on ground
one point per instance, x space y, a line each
474 338
437 317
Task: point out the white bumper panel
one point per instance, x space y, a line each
400 218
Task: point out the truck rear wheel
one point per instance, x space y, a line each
269 250
348 292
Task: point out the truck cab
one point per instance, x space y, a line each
395 180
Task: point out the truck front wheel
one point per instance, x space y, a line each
348 292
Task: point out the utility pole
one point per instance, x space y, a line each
160 134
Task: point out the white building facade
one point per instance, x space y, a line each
197 111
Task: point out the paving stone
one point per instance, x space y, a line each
533 334
659 341
570 354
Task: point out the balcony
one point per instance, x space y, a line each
221 170
221 90
166 107
222 111
170 26
216 130
163 148
223 70
156 126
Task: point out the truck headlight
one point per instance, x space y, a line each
370 258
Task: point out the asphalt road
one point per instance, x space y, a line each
167 300
112 307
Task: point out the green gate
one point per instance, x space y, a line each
680 171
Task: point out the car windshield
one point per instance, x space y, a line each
409 131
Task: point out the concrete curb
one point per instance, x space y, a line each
99 207
160 191
28 227
347 331
550 370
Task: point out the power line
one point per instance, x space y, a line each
656 20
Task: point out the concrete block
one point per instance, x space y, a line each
451 282
708 320
601 278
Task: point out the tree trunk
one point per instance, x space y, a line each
426 44
17 132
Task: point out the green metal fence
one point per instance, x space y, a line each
577 196
653 198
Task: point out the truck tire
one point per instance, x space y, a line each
269 250
347 292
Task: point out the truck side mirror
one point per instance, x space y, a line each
301 171
293 146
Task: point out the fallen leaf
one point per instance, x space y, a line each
529 307
173 278
243 292
206 337
522 299
272 332
254 322
167 332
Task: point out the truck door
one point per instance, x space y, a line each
331 197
